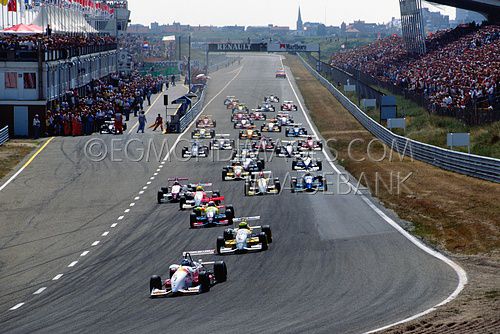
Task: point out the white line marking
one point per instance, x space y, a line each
163 162
148 183
152 178
462 275
57 277
105 234
72 264
155 174
16 307
132 204
114 225
127 210
141 192
121 217
137 198
39 291
146 187
158 170
84 253
161 166
95 243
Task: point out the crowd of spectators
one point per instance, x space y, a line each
124 95
461 66
53 42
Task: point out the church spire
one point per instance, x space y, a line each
300 25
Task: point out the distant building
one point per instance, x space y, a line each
300 25
466 16
233 28
434 21
258 29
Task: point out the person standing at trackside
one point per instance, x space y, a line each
148 96
142 122
158 123
36 127
173 80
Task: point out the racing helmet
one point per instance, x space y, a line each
199 188
211 203
176 183
309 138
186 263
261 174
243 224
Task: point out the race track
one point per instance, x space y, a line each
335 266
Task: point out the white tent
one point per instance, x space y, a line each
63 20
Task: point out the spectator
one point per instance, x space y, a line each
142 122
36 127
158 123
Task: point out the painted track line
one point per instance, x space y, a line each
16 306
39 291
462 275
12 178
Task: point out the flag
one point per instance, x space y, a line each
4 2
12 6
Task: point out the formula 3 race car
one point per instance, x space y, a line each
244 123
310 144
262 183
296 131
244 238
283 119
174 190
270 127
196 150
210 215
250 134
307 163
109 127
188 277
271 99
222 142
203 134
289 106
199 197
240 170
266 107
257 116
308 183
265 144
280 74
205 122
287 149
230 99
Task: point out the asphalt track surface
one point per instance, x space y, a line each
335 266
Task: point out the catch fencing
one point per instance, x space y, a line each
469 164
4 135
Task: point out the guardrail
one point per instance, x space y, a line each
192 113
4 135
468 164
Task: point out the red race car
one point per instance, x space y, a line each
288 106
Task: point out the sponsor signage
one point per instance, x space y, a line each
396 123
296 47
237 47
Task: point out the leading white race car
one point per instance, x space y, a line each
188 277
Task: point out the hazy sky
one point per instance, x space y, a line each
263 12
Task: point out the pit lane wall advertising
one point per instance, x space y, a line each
295 47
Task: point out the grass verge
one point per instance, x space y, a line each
13 152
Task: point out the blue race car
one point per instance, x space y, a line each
308 183
296 131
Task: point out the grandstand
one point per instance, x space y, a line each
48 49
458 76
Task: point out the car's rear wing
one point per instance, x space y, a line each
206 200
267 172
248 219
223 135
171 179
202 184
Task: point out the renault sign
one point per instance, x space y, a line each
237 47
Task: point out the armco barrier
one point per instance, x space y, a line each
469 164
4 135
192 113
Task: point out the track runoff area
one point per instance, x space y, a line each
337 263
